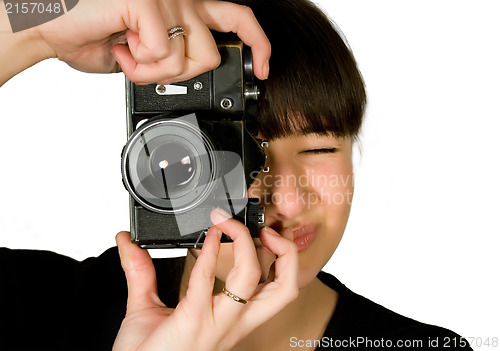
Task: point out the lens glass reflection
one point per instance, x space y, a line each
172 164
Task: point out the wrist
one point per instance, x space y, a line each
20 50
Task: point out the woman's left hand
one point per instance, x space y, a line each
202 321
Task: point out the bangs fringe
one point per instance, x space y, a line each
314 84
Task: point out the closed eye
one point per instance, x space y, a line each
320 151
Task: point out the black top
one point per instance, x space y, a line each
53 302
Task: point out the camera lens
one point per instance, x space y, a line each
173 165
169 165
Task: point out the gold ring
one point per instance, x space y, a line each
234 297
175 32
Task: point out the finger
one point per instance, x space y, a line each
165 68
148 24
163 71
272 297
245 274
150 56
201 50
266 259
229 17
287 261
201 281
140 274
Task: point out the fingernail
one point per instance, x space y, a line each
271 231
222 212
265 69
219 233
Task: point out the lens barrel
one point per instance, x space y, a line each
169 165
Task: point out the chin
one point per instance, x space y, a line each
312 260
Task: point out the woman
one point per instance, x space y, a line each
311 112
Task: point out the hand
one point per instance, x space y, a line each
93 37
202 321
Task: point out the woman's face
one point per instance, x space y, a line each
307 197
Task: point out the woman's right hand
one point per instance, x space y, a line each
97 35
202 321
105 36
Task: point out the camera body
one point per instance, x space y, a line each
191 148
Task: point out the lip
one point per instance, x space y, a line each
304 236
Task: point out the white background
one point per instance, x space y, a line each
423 238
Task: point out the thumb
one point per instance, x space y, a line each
140 273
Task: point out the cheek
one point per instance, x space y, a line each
336 189
333 184
333 187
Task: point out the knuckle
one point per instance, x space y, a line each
160 52
138 267
142 55
236 230
288 248
207 275
244 229
132 76
247 11
212 61
268 47
165 81
176 67
254 275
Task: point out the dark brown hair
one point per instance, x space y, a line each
314 83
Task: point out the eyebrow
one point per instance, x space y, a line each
319 134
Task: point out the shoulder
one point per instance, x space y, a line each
358 318
48 271
45 294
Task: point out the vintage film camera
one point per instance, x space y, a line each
191 148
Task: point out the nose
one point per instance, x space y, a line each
282 191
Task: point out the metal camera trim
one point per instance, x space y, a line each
210 151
